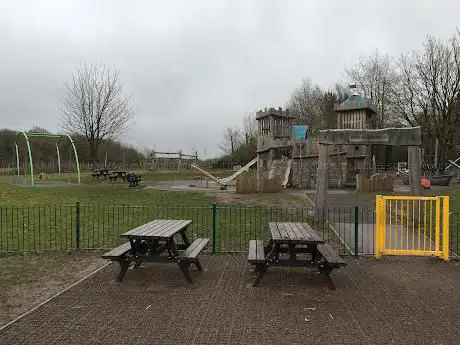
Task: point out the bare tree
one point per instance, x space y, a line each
249 129
94 106
305 104
428 91
231 140
374 77
314 106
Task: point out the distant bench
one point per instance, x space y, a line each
133 179
101 172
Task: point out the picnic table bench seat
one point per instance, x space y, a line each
194 249
256 252
330 260
133 179
190 255
257 258
120 254
330 256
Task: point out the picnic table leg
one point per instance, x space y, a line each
184 237
185 268
172 248
152 245
325 272
138 263
260 269
198 265
314 252
292 253
124 265
272 250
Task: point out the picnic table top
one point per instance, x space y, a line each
294 233
158 228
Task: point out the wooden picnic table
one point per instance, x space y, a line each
118 174
150 241
293 240
100 172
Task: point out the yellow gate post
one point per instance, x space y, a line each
445 228
378 229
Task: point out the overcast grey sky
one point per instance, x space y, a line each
196 67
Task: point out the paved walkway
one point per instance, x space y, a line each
387 301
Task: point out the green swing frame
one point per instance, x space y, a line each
59 137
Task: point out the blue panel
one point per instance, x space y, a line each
300 132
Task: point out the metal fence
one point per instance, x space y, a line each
230 227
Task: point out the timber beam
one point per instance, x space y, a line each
411 136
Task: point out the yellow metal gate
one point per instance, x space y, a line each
408 225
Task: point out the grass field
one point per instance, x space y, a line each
48 218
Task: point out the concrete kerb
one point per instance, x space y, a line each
342 241
53 297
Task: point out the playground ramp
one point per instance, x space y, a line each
225 180
287 173
239 172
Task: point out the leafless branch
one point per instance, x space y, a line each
94 105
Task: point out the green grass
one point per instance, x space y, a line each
454 198
90 192
45 218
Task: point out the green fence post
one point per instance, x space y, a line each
356 229
77 224
214 228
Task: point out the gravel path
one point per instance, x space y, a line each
390 301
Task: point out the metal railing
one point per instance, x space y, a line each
230 227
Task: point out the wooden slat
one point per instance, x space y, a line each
291 233
313 234
299 230
176 228
305 232
118 251
191 247
159 228
143 228
260 250
195 248
256 251
330 255
283 232
171 228
274 231
252 255
294 233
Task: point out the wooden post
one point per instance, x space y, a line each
436 157
179 160
415 169
258 173
321 182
